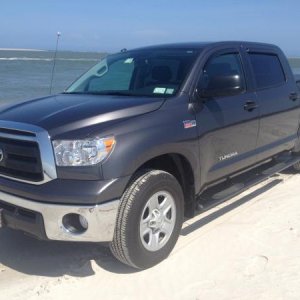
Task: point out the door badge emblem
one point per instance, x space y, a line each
189 124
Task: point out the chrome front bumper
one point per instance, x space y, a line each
101 218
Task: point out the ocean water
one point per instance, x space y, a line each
296 73
27 74
295 65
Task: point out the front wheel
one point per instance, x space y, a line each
149 220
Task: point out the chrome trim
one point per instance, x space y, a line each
101 218
42 138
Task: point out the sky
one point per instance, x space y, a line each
108 26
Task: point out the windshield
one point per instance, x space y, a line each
151 73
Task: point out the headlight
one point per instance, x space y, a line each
82 152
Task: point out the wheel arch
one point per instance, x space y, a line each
181 168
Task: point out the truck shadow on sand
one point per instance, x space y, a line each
54 259
216 214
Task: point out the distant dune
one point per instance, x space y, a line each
18 49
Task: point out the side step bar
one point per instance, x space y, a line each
234 186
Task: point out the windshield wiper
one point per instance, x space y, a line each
110 93
117 93
74 93
113 93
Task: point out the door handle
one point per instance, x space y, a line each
250 105
293 96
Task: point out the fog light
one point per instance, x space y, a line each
75 223
83 222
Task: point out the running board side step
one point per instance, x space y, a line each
233 186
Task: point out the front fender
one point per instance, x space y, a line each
145 137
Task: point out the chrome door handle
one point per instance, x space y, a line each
250 105
293 96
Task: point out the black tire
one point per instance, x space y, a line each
127 245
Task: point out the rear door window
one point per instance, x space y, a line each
267 69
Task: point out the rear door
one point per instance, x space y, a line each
227 125
279 104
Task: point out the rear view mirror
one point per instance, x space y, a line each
222 85
102 71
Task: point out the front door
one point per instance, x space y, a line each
227 125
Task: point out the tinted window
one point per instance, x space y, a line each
222 65
267 69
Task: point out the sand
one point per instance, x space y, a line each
248 248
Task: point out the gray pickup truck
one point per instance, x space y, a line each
144 139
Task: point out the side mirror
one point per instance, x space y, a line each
298 84
222 85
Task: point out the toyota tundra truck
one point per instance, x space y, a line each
144 139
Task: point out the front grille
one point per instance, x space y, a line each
21 159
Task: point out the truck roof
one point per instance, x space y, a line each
201 45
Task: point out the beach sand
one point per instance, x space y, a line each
247 248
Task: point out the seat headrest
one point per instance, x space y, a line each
161 73
218 68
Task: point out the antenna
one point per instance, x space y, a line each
54 61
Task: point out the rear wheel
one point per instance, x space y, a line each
149 220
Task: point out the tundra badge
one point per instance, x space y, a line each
227 156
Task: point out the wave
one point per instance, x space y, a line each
45 59
25 58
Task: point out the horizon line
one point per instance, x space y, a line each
86 51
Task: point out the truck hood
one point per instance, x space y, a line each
68 112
